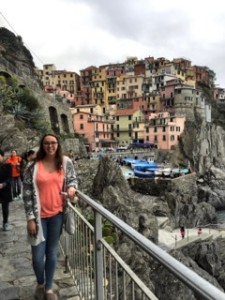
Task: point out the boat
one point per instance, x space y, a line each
184 171
145 170
144 173
132 161
150 164
175 172
166 172
159 172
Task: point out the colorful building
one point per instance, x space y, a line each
96 129
164 129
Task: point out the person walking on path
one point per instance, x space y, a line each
15 161
5 189
182 232
42 184
29 156
199 230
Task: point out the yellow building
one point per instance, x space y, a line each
125 119
98 87
130 86
87 108
138 131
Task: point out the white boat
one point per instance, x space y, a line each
158 172
166 172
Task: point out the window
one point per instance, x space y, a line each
129 117
117 118
81 117
171 128
155 138
177 128
155 129
147 138
164 138
81 126
164 129
172 138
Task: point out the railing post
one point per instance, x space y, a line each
99 288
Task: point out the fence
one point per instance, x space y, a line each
100 273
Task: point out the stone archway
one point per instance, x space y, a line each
65 123
5 74
54 119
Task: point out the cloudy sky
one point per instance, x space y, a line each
74 34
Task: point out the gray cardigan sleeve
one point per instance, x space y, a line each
70 173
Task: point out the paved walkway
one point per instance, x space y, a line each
17 279
173 240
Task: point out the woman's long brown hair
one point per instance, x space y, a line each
58 155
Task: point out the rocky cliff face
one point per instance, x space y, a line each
202 147
103 181
14 51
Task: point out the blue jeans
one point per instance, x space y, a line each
16 186
44 255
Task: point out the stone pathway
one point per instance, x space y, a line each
17 280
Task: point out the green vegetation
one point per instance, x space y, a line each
108 231
20 102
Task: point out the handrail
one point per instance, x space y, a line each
186 275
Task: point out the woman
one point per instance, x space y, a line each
5 189
15 161
43 181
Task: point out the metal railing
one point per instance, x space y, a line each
100 273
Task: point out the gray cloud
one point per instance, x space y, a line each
109 31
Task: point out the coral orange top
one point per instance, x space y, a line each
14 160
49 187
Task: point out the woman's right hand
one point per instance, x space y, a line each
32 227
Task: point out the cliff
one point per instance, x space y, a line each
13 50
103 181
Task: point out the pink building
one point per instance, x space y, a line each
164 130
167 94
96 129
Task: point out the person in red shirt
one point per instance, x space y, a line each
182 232
15 161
